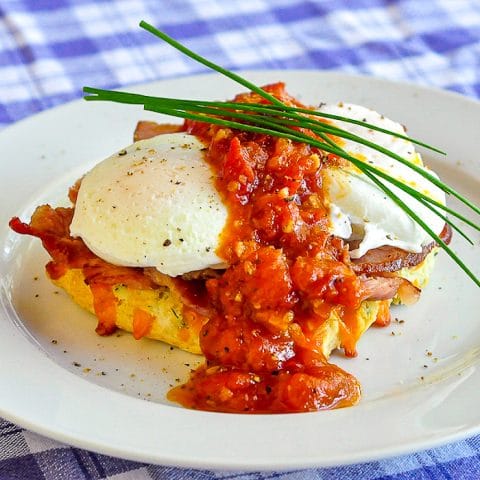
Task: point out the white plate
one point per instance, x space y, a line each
411 400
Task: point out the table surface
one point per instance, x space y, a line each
49 49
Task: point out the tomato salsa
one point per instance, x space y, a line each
287 276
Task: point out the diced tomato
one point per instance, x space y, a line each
328 279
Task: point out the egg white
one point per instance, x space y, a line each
358 209
153 204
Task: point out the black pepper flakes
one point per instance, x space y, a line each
121 153
167 242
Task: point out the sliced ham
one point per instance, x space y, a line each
392 259
204 274
386 287
380 288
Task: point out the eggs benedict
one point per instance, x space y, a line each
261 253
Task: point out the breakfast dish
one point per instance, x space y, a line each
263 254
432 405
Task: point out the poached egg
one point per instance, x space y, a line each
153 204
361 211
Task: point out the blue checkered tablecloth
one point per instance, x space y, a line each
49 49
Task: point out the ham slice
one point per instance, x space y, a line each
380 288
386 287
392 259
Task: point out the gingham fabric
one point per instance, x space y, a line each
49 49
